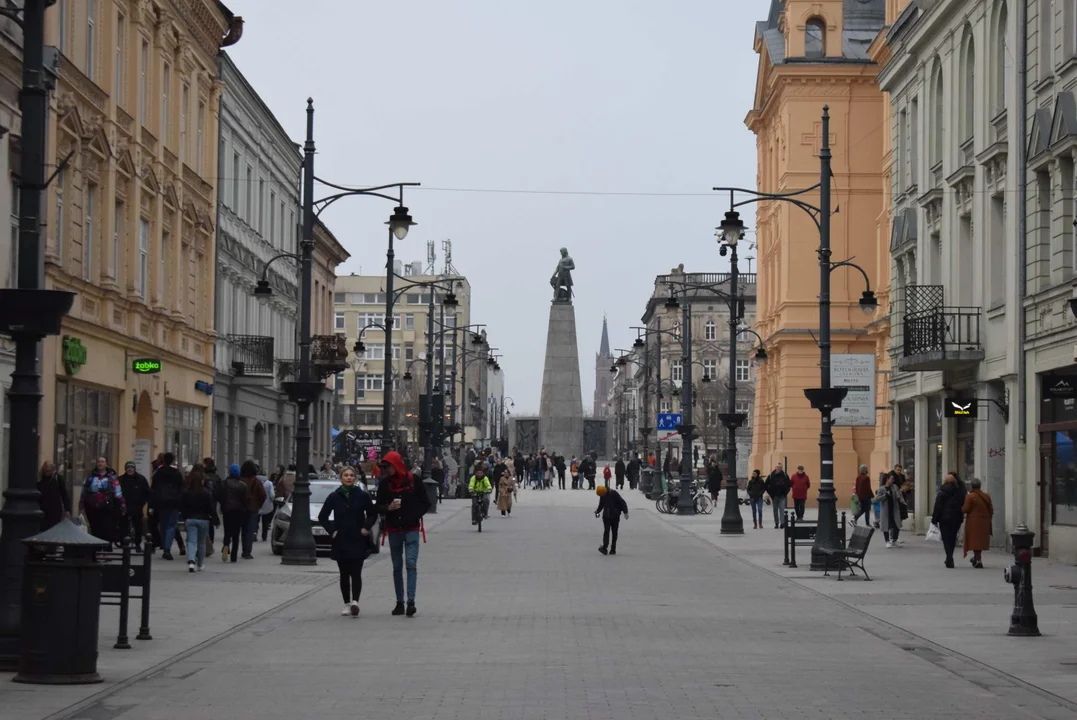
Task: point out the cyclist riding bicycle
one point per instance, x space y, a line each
480 486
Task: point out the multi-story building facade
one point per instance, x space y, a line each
257 219
951 79
815 53
603 380
328 351
1044 487
131 229
10 128
710 359
359 309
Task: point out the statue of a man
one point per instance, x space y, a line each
562 277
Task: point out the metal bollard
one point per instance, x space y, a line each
1023 620
122 642
147 567
790 530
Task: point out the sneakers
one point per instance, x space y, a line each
190 566
247 556
201 567
613 551
353 609
602 549
889 544
167 556
224 554
411 609
346 611
399 609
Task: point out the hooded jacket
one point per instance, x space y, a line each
800 483
167 489
414 501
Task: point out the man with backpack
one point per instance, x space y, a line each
777 486
235 496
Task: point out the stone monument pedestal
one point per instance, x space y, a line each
561 404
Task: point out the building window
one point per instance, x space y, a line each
338 321
248 206
743 373
272 219
294 229
409 351
710 368
744 407
937 101
914 143
143 255
185 99
340 298
91 44
235 183
338 383
87 238
1003 61
1046 13
409 321
198 137
815 38
87 427
120 41
374 351
710 331
61 176
183 432
261 203
117 229
13 274
166 84
63 25
968 111
676 370
143 88
162 278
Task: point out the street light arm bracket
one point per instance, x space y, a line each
63 163
790 197
275 258
849 263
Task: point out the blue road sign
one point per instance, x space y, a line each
669 421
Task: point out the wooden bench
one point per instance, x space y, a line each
852 556
802 534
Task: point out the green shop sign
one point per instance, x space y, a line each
74 355
146 366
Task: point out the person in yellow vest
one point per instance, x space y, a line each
480 486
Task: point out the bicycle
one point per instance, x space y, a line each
478 510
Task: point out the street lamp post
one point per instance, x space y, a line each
824 398
29 313
685 501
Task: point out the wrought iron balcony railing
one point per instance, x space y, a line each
329 353
251 355
937 336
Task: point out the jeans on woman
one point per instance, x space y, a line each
167 521
404 548
197 532
757 511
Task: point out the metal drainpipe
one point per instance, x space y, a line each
1022 247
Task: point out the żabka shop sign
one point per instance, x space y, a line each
146 366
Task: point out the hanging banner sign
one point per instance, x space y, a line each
956 407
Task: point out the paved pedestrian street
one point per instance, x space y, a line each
528 620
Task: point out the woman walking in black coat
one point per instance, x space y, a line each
948 514
348 515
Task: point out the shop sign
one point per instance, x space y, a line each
856 373
934 416
1059 387
203 387
73 354
957 407
906 421
146 366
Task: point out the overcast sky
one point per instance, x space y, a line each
573 101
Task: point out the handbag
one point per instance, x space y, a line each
933 534
854 505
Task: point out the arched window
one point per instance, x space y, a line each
968 90
1002 61
710 331
815 38
937 100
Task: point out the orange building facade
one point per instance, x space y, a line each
814 53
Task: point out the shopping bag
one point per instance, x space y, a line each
854 505
933 534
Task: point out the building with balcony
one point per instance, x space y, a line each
950 75
131 228
1045 493
710 359
258 211
814 53
359 309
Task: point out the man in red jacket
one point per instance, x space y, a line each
800 484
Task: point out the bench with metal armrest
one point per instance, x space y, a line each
853 555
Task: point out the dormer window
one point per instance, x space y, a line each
815 38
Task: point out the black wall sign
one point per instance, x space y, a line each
1059 387
958 407
906 421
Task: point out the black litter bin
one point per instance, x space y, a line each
61 606
432 493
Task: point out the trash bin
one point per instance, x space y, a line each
432 493
61 607
646 477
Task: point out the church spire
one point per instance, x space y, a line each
604 348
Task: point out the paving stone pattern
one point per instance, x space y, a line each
528 620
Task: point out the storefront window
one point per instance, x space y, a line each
966 448
87 427
934 427
183 432
1064 492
